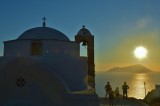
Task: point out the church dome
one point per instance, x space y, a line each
83 32
43 33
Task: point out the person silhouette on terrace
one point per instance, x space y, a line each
117 93
111 97
107 89
125 88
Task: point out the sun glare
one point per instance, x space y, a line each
140 52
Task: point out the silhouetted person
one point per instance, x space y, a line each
108 89
111 97
117 93
125 87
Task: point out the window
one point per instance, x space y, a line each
36 48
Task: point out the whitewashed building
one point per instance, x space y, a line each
42 67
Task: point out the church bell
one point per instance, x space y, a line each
84 43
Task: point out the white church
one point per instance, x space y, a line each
42 67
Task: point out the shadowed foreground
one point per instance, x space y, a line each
121 102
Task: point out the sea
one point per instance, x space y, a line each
139 83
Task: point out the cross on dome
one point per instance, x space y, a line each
44 23
83 26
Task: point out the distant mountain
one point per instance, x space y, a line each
131 69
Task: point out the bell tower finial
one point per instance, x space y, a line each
44 21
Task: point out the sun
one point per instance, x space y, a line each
140 52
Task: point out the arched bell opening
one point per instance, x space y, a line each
83 49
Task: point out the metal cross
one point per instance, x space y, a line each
44 19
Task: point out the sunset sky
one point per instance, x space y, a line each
119 26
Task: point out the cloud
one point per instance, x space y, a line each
143 22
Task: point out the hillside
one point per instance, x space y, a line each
131 69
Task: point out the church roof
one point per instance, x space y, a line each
84 31
43 33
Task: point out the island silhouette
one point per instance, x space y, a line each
131 69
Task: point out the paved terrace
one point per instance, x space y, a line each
121 102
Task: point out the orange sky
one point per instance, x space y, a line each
121 54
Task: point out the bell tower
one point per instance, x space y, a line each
87 39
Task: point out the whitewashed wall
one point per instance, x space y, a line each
50 48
